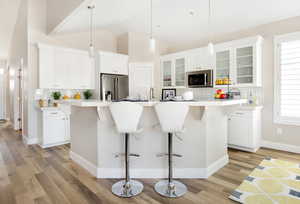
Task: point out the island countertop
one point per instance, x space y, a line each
208 102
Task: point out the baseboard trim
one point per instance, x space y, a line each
163 173
217 165
253 150
281 146
29 141
87 165
55 144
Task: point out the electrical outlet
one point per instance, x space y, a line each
279 131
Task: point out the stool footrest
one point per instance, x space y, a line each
123 155
166 154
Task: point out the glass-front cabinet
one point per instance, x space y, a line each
223 64
173 71
244 65
239 63
167 73
180 71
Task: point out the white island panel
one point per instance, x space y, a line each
95 141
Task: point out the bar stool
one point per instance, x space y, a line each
127 116
171 116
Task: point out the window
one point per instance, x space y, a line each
287 79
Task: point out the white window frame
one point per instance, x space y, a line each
276 117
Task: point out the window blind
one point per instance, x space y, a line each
289 76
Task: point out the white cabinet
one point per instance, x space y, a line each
199 59
244 129
174 66
62 68
173 71
113 63
83 69
167 72
140 79
55 127
241 61
47 66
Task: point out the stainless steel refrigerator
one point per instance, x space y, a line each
116 85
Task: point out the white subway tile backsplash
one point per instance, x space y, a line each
206 93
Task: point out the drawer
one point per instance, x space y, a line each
55 114
241 113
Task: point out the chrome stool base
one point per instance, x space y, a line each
133 188
174 189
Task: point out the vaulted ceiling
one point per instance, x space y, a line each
181 20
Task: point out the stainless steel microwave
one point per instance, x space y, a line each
200 79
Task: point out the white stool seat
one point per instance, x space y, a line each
126 116
171 116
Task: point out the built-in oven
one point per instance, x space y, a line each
200 79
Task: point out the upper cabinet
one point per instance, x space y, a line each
223 64
174 66
167 72
113 63
199 59
173 69
239 63
62 68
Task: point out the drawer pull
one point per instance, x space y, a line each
239 113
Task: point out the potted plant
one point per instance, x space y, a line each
56 96
87 94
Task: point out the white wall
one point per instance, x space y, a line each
8 15
2 88
290 134
136 45
18 50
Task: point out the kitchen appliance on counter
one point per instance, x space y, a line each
200 79
188 96
113 87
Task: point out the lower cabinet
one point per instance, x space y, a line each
55 127
244 128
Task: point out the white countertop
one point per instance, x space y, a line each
98 103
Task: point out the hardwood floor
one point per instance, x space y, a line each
29 174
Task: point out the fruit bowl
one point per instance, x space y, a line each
220 94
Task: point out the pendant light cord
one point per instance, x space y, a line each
151 20
209 19
91 24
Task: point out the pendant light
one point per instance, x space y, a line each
91 45
152 41
210 46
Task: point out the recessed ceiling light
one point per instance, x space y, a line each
191 12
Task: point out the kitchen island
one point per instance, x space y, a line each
95 140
